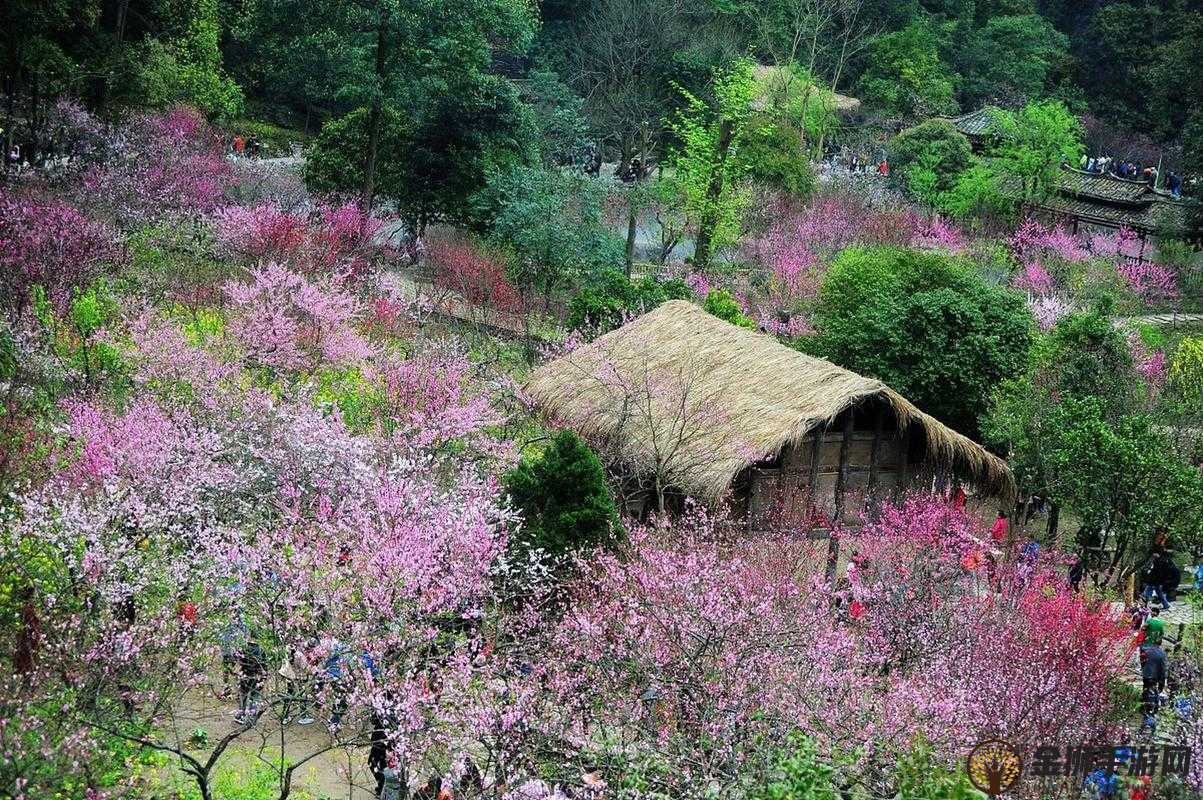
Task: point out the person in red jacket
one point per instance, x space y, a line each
1000 528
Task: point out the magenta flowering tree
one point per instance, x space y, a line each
161 165
1032 240
1045 258
1151 283
692 652
48 243
940 234
963 625
1151 365
284 321
166 529
341 241
794 250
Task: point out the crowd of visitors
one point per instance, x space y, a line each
241 147
857 163
1132 171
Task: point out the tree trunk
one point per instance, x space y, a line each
118 51
632 229
369 167
705 240
1054 514
375 119
10 91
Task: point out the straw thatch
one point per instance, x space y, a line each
777 83
683 394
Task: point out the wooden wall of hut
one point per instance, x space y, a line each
856 459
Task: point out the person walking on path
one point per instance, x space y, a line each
231 639
1154 628
380 756
1076 572
1157 575
1152 676
252 663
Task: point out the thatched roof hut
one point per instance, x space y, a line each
779 84
700 401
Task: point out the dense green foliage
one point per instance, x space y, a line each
905 75
552 222
721 304
1078 432
565 503
925 324
1031 144
771 156
606 73
604 303
934 146
706 167
430 167
1011 58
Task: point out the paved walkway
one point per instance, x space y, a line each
1161 319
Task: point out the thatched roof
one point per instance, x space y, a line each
775 84
708 399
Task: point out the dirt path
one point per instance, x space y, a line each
325 777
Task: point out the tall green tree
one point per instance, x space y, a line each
906 75
707 173
1123 480
403 54
1032 143
432 166
935 145
1086 362
1011 58
186 68
552 223
924 323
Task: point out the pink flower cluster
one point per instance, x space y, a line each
1032 239
51 244
339 240
1151 364
796 248
475 276
697 639
940 234
166 165
1034 279
1041 252
284 321
1148 281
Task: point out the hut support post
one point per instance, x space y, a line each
903 459
875 452
841 489
816 445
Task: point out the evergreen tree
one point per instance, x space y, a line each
564 500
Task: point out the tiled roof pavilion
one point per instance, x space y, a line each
1096 199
